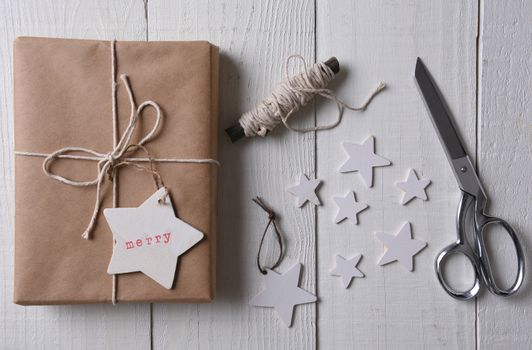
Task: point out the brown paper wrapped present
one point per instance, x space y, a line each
63 98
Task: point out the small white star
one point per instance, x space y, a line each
305 191
283 293
401 247
348 208
347 269
413 187
362 158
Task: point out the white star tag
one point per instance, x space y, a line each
347 269
283 293
401 247
413 187
305 191
362 158
149 239
348 208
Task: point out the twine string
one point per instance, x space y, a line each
271 220
109 161
292 94
115 141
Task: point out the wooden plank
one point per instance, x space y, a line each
505 162
255 38
380 40
59 327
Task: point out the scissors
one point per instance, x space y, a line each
471 220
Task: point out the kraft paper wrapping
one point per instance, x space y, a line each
63 97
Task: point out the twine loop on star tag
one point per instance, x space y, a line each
271 220
292 94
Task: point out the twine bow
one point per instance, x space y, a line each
109 162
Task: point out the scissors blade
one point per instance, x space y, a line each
441 117
442 121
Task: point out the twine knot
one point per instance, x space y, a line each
109 162
111 159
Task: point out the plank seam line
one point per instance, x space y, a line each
316 306
478 73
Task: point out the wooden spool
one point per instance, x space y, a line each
236 132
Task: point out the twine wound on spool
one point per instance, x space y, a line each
292 94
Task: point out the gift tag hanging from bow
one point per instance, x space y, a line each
150 238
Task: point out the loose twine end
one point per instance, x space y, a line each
85 235
380 87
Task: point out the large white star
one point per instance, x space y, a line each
149 239
348 208
413 187
401 247
283 293
362 158
305 191
347 269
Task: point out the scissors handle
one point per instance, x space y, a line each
457 248
460 247
485 221
471 220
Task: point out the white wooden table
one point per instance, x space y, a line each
480 53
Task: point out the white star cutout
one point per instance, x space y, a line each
305 191
283 293
347 269
413 187
149 239
362 158
348 208
401 247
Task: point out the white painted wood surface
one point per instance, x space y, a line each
380 40
377 40
505 161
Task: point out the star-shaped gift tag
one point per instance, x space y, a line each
362 158
283 293
413 187
149 239
347 269
401 247
348 208
305 190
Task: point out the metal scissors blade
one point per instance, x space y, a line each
439 112
442 121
